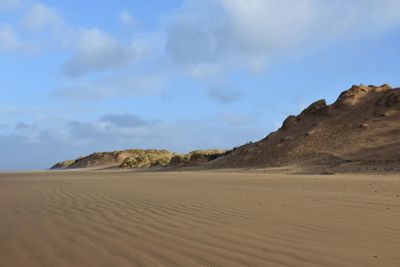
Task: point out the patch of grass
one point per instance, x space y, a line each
147 158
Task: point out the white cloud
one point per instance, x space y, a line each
97 51
6 4
237 119
125 120
126 18
114 86
43 18
207 38
10 41
93 50
261 24
35 28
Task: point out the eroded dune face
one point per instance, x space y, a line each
363 126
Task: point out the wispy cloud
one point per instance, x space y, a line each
206 40
125 120
92 50
113 86
127 19
74 138
11 42
96 51
6 4
43 18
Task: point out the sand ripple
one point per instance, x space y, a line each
198 219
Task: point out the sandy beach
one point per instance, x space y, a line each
199 218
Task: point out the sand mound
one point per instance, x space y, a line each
362 126
132 158
140 158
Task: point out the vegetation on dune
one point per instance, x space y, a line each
162 158
196 157
140 158
178 160
205 155
147 158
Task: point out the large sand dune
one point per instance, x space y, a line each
198 219
358 132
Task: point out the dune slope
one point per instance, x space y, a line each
362 127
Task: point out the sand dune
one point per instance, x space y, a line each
359 132
198 219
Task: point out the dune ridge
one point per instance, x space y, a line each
140 158
358 132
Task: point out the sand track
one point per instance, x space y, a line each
198 219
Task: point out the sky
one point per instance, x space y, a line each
78 77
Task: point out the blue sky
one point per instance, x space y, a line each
85 76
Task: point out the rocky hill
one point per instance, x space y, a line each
361 128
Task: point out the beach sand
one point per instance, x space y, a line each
199 218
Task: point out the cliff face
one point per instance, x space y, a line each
363 126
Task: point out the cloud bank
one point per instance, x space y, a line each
206 40
32 146
211 37
96 51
